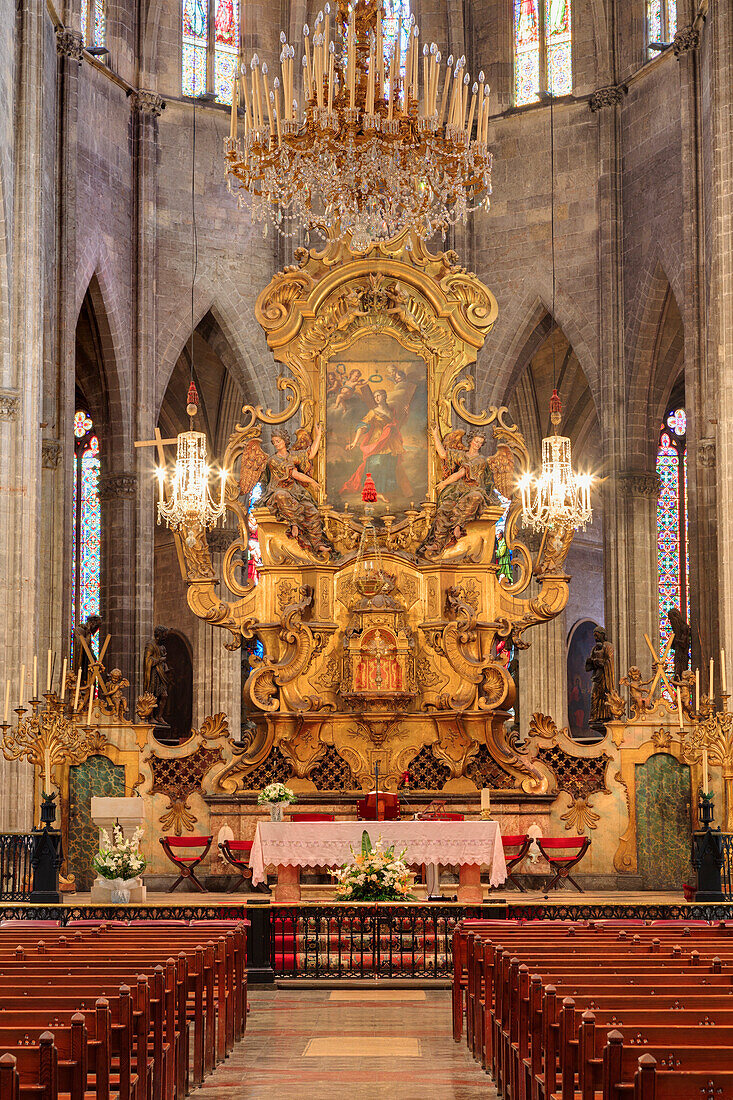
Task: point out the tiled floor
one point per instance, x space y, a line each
312 1044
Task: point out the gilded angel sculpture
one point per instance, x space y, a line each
288 484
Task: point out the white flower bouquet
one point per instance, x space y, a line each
375 875
275 792
119 862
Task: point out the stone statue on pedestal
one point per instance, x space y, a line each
157 675
681 641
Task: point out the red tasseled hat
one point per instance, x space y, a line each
193 397
369 492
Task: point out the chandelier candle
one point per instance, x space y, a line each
368 153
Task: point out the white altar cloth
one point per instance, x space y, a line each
329 843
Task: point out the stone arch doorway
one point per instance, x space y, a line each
580 643
663 824
179 708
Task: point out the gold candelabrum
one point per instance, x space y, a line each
710 742
379 143
51 730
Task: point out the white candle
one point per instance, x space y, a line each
63 681
697 690
679 709
705 778
78 688
22 685
48 672
485 799
722 671
35 676
91 704
47 770
7 702
711 680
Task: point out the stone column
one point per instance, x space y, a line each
719 43
543 673
21 398
637 495
117 494
217 672
147 107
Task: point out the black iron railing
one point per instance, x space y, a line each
364 941
16 873
726 876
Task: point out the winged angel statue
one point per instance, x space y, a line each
288 485
469 484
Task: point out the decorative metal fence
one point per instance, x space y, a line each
364 941
726 875
16 873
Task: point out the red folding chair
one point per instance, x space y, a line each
189 852
312 817
515 849
563 853
237 854
384 807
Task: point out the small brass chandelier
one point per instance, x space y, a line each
378 144
558 497
190 503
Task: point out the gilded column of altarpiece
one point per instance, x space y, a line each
376 352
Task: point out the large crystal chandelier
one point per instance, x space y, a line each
376 144
190 502
558 497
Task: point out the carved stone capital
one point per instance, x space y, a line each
686 39
147 103
9 404
51 452
221 538
69 44
607 97
638 485
706 453
118 487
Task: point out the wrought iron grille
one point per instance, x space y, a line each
275 768
16 873
364 941
726 876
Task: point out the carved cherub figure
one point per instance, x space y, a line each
114 700
639 696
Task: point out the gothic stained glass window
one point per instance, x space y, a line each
526 52
94 22
396 21
661 22
210 47
672 521
254 557
86 512
542 49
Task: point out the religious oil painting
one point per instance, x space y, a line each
376 412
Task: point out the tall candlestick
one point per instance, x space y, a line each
48 672
711 680
78 689
7 702
331 53
679 709
705 777
722 671
22 685
63 681
35 676
485 798
47 770
697 690
91 704
233 115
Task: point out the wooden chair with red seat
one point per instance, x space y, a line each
563 853
186 853
515 849
378 807
237 854
312 817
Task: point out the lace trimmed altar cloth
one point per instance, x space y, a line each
329 843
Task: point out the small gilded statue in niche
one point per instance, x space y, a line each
289 485
605 701
468 485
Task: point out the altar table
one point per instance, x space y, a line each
290 845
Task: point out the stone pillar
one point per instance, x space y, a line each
21 399
217 672
147 107
117 493
543 673
719 42
636 536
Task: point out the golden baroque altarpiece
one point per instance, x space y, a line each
378 678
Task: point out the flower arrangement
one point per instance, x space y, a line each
375 875
119 858
275 792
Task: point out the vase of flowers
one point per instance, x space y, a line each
119 864
374 875
276 796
